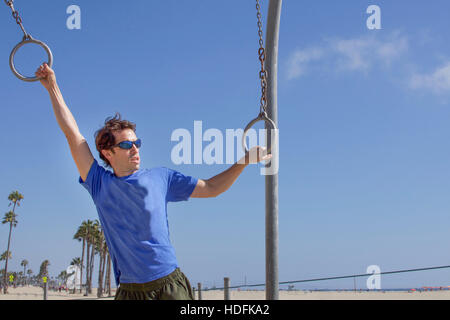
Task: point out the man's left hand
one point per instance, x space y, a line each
256 155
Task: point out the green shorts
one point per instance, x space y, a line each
174 286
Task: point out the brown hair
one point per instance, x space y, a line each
104 137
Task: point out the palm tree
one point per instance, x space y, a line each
102 248
93 240
81 234
43 272
89 230
93 235
1 276
24 264
5 255
21 278
10 217
64 276
108 274
94 250
14 197
29 273
89 234
76 262
105 263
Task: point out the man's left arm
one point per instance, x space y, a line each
223 181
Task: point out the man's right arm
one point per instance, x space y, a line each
78 145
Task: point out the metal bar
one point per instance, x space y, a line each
226 286
45 290
272 35
199 291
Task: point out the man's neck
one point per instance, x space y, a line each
124 173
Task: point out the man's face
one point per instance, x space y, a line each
123 161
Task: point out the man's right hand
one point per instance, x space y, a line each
46 75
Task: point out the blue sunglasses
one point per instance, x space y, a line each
128 144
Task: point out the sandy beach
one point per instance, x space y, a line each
332 295
35 293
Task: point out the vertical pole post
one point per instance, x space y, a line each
199 291
45 290
272 35
226 291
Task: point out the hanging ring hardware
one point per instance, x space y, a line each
26 40
261 117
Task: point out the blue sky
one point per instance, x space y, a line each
363 114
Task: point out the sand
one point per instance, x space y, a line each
36 293
332 295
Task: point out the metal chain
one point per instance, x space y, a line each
15 14
262 58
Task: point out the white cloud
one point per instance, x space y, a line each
353 54
438 81
365 53
392 50
299 61
358 54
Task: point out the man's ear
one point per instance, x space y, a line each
107 153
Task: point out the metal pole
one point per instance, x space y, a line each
199 291
45 290
226 285
272 35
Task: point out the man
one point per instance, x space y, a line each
132 202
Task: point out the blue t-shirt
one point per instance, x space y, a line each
133 215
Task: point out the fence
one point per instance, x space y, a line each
226 288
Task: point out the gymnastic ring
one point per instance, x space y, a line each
261 117
28 39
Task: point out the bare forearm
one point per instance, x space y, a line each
64 117
223 181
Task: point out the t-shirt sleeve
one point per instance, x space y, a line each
94 179
179 186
